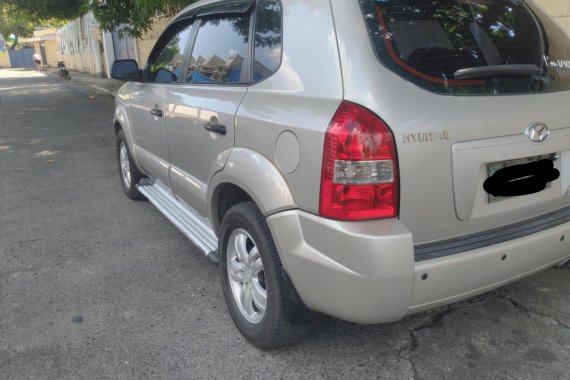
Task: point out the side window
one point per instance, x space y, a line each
219 51
167 67
268 40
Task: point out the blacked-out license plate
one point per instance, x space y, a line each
496 166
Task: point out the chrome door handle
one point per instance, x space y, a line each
215 128
156 112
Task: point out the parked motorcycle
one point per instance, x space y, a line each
62 70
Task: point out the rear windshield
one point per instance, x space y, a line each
463 47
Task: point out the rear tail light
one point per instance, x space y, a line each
359 179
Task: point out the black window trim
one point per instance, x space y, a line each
247 74
188 53
228 7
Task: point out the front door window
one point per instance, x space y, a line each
167 66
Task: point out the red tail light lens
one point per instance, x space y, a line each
359 178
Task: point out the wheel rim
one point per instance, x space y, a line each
125 165
247 276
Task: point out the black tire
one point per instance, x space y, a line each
130 189
281 323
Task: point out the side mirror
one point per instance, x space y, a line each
126 70
165 75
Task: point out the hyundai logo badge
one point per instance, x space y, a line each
537 132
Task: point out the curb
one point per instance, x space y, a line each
102 89
87 83
98 88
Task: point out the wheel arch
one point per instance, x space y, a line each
121 121
247 175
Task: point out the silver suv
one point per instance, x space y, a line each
365 159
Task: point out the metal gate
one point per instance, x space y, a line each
22 58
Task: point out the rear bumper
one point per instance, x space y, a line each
365 272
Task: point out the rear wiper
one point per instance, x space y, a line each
497 70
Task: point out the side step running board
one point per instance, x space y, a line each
188 221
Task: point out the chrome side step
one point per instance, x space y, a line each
564 264
189 222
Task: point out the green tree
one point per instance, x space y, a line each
18 17
133 17
39 10
16 23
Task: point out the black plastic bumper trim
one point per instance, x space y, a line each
499 235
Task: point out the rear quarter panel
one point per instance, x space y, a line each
301 97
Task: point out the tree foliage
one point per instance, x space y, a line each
16 23
133 17
18 17
40 10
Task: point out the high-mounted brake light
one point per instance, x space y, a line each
359 179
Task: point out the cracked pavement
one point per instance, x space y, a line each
521 331
94 286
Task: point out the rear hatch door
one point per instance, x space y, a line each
469 88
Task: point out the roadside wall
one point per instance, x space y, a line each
46 38
80 45
560 9
50 46
4 56
52 53
5 59
145 44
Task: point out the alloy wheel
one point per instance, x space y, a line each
247 277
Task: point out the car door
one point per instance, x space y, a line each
201 112
149 101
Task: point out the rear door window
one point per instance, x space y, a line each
220 50
465 47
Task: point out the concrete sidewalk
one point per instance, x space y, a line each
108 86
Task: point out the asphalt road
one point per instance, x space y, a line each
95 286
